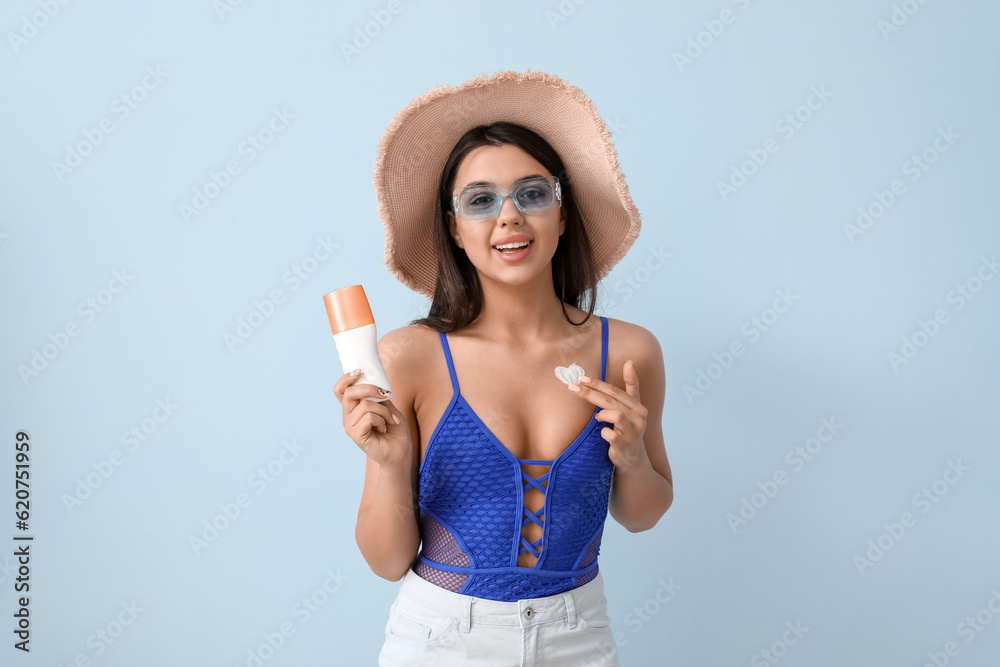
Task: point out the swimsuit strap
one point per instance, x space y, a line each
604 346
451 364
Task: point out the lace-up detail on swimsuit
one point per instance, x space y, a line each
532 516
476 522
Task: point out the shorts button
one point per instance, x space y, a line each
529 612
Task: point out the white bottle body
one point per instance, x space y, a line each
358 348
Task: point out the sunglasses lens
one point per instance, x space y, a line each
480 203
535 196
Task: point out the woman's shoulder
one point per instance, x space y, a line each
409 343
407 352
634 339
630 332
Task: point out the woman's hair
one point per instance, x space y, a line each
458 295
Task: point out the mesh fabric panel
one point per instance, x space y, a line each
440 546
592 552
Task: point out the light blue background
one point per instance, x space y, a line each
679 131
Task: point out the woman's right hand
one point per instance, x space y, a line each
377 427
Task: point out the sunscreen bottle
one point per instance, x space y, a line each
354 333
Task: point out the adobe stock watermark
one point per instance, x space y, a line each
788 125
252 146
629 284
122 107
914 167
753 328
924 500
87 310
900 16
105 636
642 614
968 629
703 39
567 350
303 610
264 309
7 570
796 458
224 7
363 35
563 11
391 349
31 25
230 511
132 439
959 295
779 648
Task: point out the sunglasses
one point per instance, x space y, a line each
534 195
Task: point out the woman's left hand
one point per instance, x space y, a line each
622 409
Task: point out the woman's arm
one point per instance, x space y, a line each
642 488
387 530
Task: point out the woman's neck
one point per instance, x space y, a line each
520 314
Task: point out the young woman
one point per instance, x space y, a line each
517 420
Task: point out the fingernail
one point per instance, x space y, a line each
573 388
584 378
356 372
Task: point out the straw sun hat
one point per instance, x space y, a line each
416 144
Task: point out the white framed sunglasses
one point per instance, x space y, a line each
532 195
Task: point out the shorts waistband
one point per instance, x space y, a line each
527 612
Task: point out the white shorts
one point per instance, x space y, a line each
430 625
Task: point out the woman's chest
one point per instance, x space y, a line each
526 410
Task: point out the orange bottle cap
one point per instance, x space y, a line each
348 309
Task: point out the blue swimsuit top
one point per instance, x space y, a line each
472 506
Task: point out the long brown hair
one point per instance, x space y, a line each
458 294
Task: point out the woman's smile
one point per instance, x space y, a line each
513 247
511 254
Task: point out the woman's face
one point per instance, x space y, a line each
503 166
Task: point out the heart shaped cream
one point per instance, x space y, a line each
569 375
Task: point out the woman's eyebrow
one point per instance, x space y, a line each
524 178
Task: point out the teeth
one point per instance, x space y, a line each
511 245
